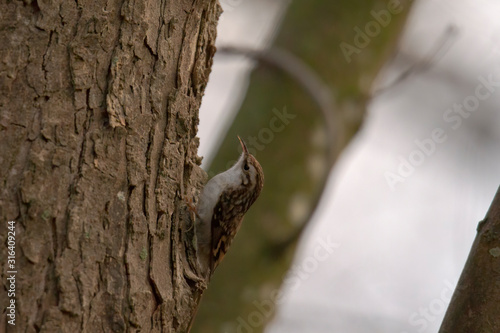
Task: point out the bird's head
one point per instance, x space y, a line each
251 174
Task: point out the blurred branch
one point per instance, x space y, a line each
440 48
310 82
474 305
320 93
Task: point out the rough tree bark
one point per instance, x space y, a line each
474 305
98 119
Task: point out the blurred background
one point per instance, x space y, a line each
363 226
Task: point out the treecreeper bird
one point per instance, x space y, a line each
222 204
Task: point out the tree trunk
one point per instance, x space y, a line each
98 119
474 305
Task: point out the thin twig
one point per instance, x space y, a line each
441 47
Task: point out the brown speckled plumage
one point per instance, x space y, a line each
228 213
230 194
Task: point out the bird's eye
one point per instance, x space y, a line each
246 167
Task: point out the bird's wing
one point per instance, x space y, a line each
226 221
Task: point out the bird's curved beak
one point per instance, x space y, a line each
243 146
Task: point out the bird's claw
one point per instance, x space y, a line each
190 205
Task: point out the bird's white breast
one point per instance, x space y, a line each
210 195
